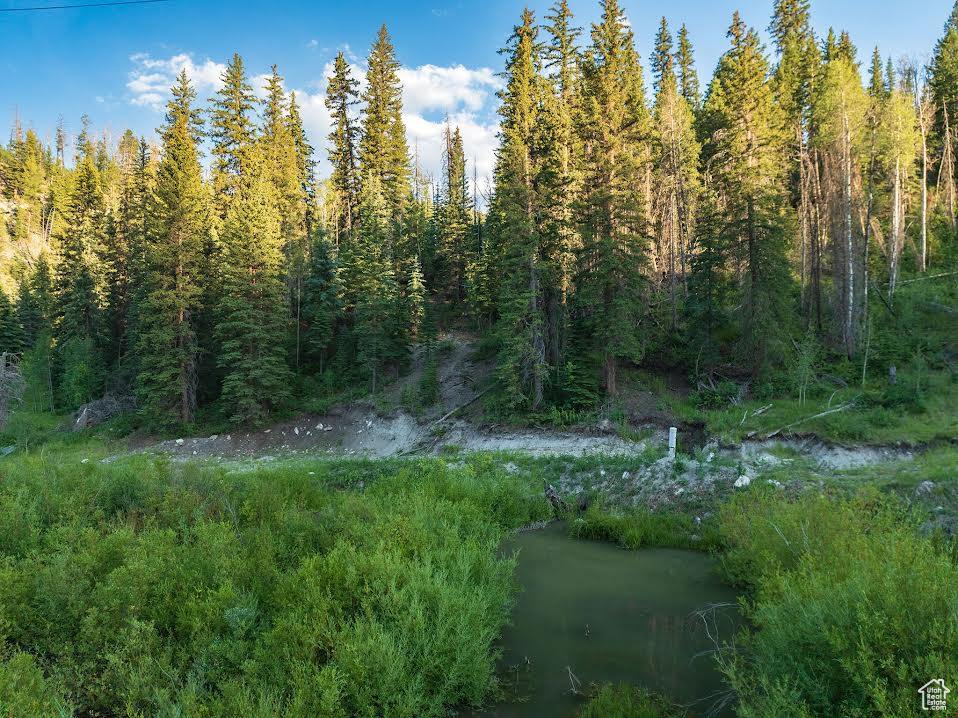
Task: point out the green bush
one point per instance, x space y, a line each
625 701
852 609
718 397
148 588
638 528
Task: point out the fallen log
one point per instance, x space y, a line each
837 409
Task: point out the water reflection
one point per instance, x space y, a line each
591 612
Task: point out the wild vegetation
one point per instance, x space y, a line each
785 230
772 252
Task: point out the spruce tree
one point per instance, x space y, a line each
79 281
688 77
454 251
231 130
372 286
166 334
322 303
616 128
746 150
252 314
522 360
383 151
341 97
944 90
662 59
676 169
560 182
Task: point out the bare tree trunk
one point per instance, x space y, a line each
849 248
896 242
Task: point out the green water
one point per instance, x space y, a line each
608 614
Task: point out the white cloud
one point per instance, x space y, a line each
447 88
431 94
150 79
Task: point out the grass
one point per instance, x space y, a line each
641 528
624 701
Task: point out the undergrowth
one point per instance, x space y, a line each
145 588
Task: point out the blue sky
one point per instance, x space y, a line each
115 63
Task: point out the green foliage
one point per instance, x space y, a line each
25 692
642 528
625 701
252 312
142 587
823 623
167 346
81 377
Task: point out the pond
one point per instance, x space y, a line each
590 612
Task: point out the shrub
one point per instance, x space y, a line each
147 588
852 610
625 701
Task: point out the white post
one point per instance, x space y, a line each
673 432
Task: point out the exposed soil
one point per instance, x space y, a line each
454 422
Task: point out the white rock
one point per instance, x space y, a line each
296 430
710 456
626 476
309 433
742 481
312 473
83 461
229 437
214 437
180 442
776 484
328 428
267 431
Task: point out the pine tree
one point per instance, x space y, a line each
383 152
231 130
676 162
340 98
746 149
166 336
522 360
561 180
322 303
616 127
79 281
944 91
662 59
372 285
688 77
252 312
